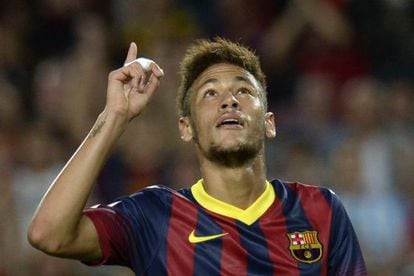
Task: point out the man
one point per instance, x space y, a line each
233 221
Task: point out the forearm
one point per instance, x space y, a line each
332 26
59 214
283 34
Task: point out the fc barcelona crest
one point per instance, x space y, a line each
305 246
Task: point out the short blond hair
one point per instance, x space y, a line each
205 53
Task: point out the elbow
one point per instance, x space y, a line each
42 239
39 239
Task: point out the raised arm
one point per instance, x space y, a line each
58 226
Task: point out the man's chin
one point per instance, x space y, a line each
232 141
232 155
230 146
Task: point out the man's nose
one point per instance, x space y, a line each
230 101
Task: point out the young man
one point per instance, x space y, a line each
231 222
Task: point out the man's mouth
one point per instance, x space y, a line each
232 122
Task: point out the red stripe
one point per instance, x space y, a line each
180 252
273 226
233 255
319 214
113 234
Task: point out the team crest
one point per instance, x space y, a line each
305 246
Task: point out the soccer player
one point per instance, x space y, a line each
232 221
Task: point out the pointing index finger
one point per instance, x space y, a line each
132 52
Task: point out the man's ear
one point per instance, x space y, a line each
270 125
186 130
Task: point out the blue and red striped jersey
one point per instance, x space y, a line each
291 229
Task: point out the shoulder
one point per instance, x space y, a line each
158 192
299 187
154 199
306 193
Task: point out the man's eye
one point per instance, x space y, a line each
210 93
242 91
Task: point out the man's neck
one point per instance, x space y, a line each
239 187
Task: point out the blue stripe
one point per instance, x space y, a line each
158 264
344 250
207 255
296 220
253 240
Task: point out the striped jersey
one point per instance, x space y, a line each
291 229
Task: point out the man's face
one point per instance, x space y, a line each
228 121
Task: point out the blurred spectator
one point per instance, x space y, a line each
310 36
246 24
381 221
51 27
39 160
69 90
313 112
386 34
400 117
309 127
362 171
400 110
11 119
182 169
365 127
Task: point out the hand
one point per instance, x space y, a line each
130 88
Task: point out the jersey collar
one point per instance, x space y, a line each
247 216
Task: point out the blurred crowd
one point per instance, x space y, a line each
340 80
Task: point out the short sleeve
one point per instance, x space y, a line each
115 235
131 228
345 256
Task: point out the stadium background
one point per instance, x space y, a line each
340 76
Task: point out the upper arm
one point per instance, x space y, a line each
85 245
